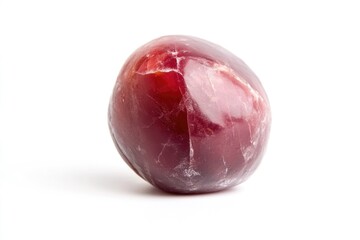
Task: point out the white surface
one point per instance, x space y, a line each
61 177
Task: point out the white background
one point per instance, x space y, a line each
61 177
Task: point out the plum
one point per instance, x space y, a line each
188 116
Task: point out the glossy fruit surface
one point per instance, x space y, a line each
188 116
